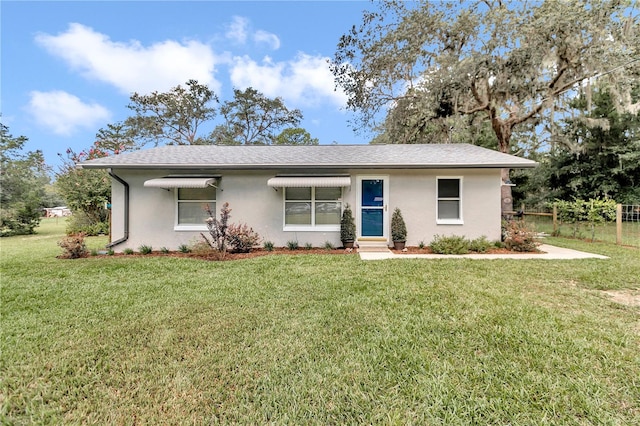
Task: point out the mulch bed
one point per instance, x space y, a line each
283 250
235 256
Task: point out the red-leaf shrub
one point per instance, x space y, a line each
74 246
517 236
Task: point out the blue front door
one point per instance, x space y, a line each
372 207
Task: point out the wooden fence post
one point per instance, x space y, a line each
619 224
555 219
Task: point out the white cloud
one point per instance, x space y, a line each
306 80
130 66
245 72
268 38
64 113
237 30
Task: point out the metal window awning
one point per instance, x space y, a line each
301 182
181 182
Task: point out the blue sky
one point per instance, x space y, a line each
68 68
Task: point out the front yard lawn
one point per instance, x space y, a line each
317 339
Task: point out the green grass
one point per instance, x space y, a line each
621 271
315 339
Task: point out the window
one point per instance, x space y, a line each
191 207
449 204
311 208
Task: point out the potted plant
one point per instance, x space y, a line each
398 230
347 228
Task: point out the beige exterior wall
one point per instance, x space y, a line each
152 211
117 219
415 193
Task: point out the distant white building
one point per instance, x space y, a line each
61 211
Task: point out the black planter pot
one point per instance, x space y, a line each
398 245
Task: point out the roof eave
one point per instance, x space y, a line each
307 166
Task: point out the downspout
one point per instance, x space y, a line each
126 210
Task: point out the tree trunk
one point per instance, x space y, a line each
505 194
503 130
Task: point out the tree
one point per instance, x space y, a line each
505 61
251 118
87 192
295 136
172 117
116 138
598 154
23 178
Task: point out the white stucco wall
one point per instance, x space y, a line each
152 210
415 193
117 211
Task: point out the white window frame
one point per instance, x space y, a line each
459 199
191 227
312 226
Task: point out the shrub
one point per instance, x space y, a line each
572 212
517 236
73 246
594 212
164 250
398 227
308 246
450 245
128 251
268 245
19 218
85 191
110 252
241 238
94 252
144 249
460 245
80 222
328 245
218 229
23 176
421 245
183 248
292 245
347 225
480 245
599 212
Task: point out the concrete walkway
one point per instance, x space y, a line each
550 253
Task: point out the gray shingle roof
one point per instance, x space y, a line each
318 156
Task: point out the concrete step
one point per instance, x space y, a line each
374 249
373 245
